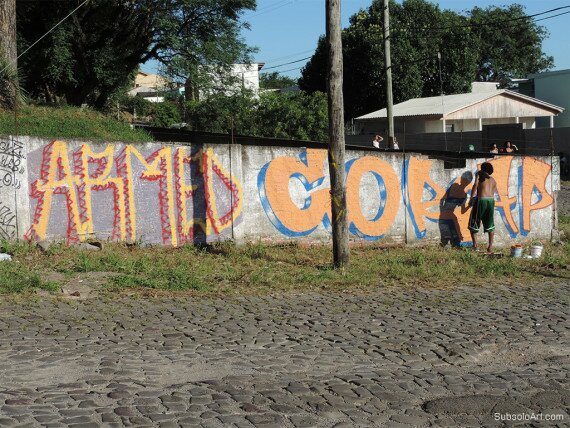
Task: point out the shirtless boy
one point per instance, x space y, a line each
483 204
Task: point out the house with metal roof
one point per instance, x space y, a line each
485 105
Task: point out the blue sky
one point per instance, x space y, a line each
288 30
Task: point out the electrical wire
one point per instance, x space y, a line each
291 69
270 9
287 63
42 37
444 28
491 23
289 56
553 16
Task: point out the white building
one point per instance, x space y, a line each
241 76
485 105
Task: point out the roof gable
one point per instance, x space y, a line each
452 105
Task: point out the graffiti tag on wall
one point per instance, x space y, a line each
172 195
7 222
424 198
11 162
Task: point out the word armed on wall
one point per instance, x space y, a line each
171 195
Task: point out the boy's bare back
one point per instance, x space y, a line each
486 188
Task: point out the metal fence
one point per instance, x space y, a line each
539 142
452 147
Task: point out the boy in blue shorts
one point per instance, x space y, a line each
483 204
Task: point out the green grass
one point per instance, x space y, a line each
258 269
16 276
68 122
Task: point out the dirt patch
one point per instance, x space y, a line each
79 286
471 405
518 355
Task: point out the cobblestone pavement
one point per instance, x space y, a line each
395 357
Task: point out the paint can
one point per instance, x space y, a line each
516 250
536 251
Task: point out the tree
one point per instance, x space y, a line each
291 115
8 53
95 51
274 80
510 45
419 30
165 114
217 113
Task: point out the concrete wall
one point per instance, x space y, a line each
173 194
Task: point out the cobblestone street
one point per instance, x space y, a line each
407 357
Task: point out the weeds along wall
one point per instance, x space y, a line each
178 194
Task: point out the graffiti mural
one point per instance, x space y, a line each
11 162
170 195
7 222
424 198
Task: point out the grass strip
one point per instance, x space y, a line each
224 268
69 122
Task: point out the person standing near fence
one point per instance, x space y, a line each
510 147
377 140
396 146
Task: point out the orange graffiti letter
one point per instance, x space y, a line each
389 197
534 175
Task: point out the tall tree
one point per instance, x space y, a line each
470 51
8 53
96 51
510 44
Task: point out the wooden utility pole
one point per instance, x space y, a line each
388 62
336 135
8 50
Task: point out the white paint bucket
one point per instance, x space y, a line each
536 251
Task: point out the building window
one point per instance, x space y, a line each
450 128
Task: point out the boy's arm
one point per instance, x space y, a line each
474 189
495 190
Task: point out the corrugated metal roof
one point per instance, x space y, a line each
436 106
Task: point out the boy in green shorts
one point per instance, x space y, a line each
483 204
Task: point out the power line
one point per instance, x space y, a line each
291 69
287 63
269 6
491 23
270 9
42 37
444 28
553 16
290 56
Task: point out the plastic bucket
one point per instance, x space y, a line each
536 251
516 251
